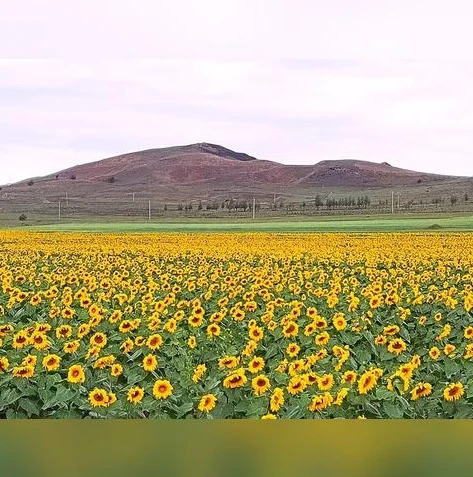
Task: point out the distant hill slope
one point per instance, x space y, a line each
209 171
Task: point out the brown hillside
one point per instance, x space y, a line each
212 172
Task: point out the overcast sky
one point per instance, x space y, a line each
295 81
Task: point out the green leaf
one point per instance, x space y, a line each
451 367
393 411
384 394
185 409
8 397
31 407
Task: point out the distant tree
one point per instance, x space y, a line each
199 207
22 217
30 182
180 206
453 199
111 180
73 177
465 197
165 207
318 201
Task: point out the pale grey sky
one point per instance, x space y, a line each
292 81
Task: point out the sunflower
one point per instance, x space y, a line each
325 382
199 371
235 380
125 326
341 395
117 370
29 360
292 350
104 362
434 353
71 347
170 326
23 372
296 385
397 346
213 330
260 385
98 398
207 403
195 321
20 340
339 322
140 340
92 352
150 363
232 362
322 339
98 339
256 333
468 351
111 398
83 330
135 395
63 331
453 391
449 349
40 341
290 330
421 390
310 329
127 346
416 361
391 330
51 362
192 342
376 301
269 417
468 333
162 389
320 323
238 314
320 402
76 374
154 341
276 400
250 348
4 364
367 381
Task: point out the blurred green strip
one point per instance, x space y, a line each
236 448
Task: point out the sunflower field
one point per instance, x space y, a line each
243 325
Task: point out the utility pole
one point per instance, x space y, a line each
133 197
149 210
254 207
67 199
59 211
392 202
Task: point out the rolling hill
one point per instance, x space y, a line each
209 172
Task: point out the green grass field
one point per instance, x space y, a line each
365 224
